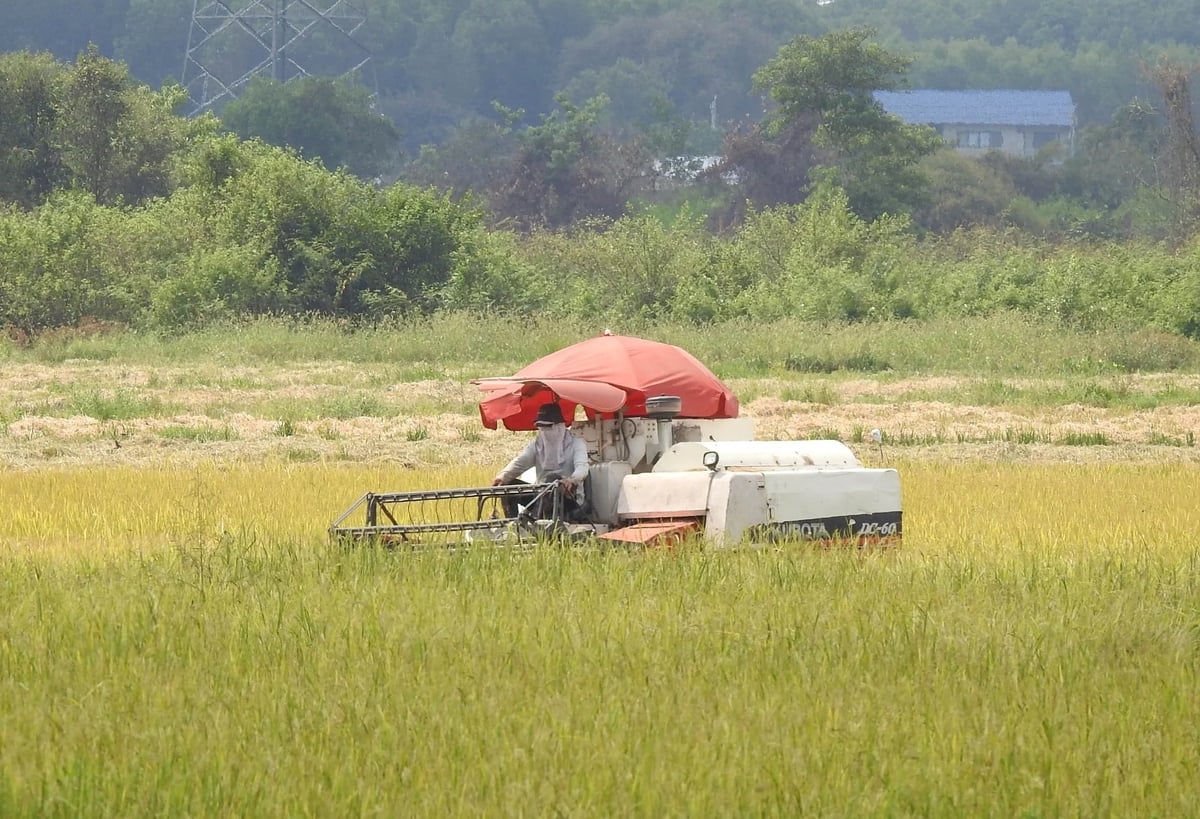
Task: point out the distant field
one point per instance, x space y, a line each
179 638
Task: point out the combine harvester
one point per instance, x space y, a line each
669 458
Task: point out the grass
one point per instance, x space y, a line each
998 345
809 394
199 434
1109 392
185 642
180 638
417 346
1156 438
1026 435
462 346
115 405
336 404
1085 439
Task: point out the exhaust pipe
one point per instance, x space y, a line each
664 409
665 436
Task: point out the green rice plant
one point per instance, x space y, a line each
1113 392
1084 439
748 391
906 437
285 428
1110 393
1172 394
199 434
1026 436
65 344
1156 438
417 433
115 405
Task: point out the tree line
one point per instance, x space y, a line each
579 107
117 210
437 65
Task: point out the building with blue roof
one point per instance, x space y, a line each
1019 123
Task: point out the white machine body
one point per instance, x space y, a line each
712 474
639 442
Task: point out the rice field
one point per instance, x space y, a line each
178 637
183 641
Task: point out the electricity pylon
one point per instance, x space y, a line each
230 42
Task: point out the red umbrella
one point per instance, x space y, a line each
603 375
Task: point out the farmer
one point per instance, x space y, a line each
557 455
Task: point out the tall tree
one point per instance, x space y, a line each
30 165
1182 152
93 108
566 169
507 44
770 169
117 135
330 120
86 126
476 158
966 193
827 84
1115 160
695 54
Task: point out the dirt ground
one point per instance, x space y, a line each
238 413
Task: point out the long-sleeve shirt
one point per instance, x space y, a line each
574 464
